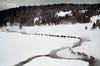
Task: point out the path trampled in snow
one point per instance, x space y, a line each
24 43
73 55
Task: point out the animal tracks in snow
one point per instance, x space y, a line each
65 53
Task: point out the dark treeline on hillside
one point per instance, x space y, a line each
46 14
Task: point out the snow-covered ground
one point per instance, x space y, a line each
95 18
63 14
16 47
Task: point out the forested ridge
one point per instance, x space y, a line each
46 14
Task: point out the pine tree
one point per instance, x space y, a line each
20 26
86 27
98 23
94 26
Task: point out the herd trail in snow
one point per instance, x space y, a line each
54 53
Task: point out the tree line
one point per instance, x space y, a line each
25 15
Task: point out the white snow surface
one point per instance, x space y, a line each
63 14
95 18
16 47
82 11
